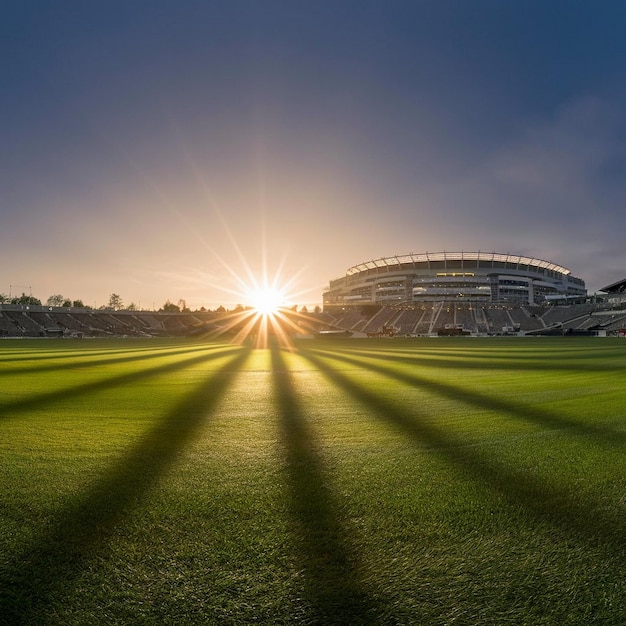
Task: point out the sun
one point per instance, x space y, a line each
266 300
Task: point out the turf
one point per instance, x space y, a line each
422 481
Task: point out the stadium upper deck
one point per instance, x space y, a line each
453 276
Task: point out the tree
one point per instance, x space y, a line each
115 302
170 307
78 304
132 307
55 300
26 300
304 309
317 309
4 298
67 303
182 305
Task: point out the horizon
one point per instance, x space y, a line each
247 293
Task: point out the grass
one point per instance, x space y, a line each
432 481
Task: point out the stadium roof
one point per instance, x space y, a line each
618 287
448 256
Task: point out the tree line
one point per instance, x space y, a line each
116 303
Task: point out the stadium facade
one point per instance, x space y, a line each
476 277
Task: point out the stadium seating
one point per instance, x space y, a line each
420 320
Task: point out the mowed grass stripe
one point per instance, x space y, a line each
32 579
504 409
102 380
334 586
519 354
487 542
73 351
328 484
211 546
72 361
592 520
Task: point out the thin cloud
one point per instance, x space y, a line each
552 192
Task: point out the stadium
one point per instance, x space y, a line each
470 293
430 294
477 277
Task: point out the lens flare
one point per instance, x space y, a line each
266 308
266 300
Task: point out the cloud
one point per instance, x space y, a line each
555 191
566 157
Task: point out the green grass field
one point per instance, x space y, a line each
422 481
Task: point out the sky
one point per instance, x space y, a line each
188 149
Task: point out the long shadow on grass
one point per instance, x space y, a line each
334 588
605 435
83 350
8 409
78 361
447 359
81 532
588 519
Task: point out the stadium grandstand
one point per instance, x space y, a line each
616 292
429 295
34 321
425 319
453 277
39 321
454 319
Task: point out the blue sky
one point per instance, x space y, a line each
166 150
